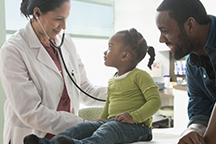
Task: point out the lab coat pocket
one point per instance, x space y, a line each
17 135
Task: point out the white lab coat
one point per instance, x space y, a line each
34 85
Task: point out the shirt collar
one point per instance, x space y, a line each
210 44
211 41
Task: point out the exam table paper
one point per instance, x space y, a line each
164 136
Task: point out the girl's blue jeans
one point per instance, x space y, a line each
104 132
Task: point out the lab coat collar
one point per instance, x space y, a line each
34 42
31 36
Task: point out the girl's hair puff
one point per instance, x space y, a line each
138 45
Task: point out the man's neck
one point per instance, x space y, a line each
202 38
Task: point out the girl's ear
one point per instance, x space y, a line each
126 56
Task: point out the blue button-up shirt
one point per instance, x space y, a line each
202 86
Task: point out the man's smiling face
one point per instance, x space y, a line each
174 37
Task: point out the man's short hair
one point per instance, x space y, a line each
181 10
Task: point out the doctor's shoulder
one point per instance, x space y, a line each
15 41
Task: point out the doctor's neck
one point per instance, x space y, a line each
39 32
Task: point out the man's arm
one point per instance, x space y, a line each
210 136
198 116
193 134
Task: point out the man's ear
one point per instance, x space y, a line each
126 56
190 25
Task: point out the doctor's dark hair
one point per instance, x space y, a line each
181 10
27 6
138 45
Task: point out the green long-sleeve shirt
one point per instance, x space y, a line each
136 94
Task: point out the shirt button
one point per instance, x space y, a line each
204 76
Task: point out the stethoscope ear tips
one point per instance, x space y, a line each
37 17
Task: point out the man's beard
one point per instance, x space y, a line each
184 46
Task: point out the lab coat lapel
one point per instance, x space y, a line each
42 55
66 57
44 58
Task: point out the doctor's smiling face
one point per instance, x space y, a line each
173 36
52 21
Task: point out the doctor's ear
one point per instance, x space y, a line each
36 12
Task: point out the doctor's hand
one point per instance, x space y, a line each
193 135
124 118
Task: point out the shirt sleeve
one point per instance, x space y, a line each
152 96
199 104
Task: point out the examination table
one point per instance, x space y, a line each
164 136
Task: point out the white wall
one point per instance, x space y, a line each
140 14
91 52
209 6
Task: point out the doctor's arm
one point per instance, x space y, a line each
26 100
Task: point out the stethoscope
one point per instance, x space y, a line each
60 52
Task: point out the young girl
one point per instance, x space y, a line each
132 98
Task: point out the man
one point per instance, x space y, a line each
187 29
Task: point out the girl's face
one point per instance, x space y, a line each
54 21
113 56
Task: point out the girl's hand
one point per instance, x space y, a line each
124 118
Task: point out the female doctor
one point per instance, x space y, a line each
41 99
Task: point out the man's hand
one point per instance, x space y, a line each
193 135
124 118
192 138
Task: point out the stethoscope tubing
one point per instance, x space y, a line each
60 52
